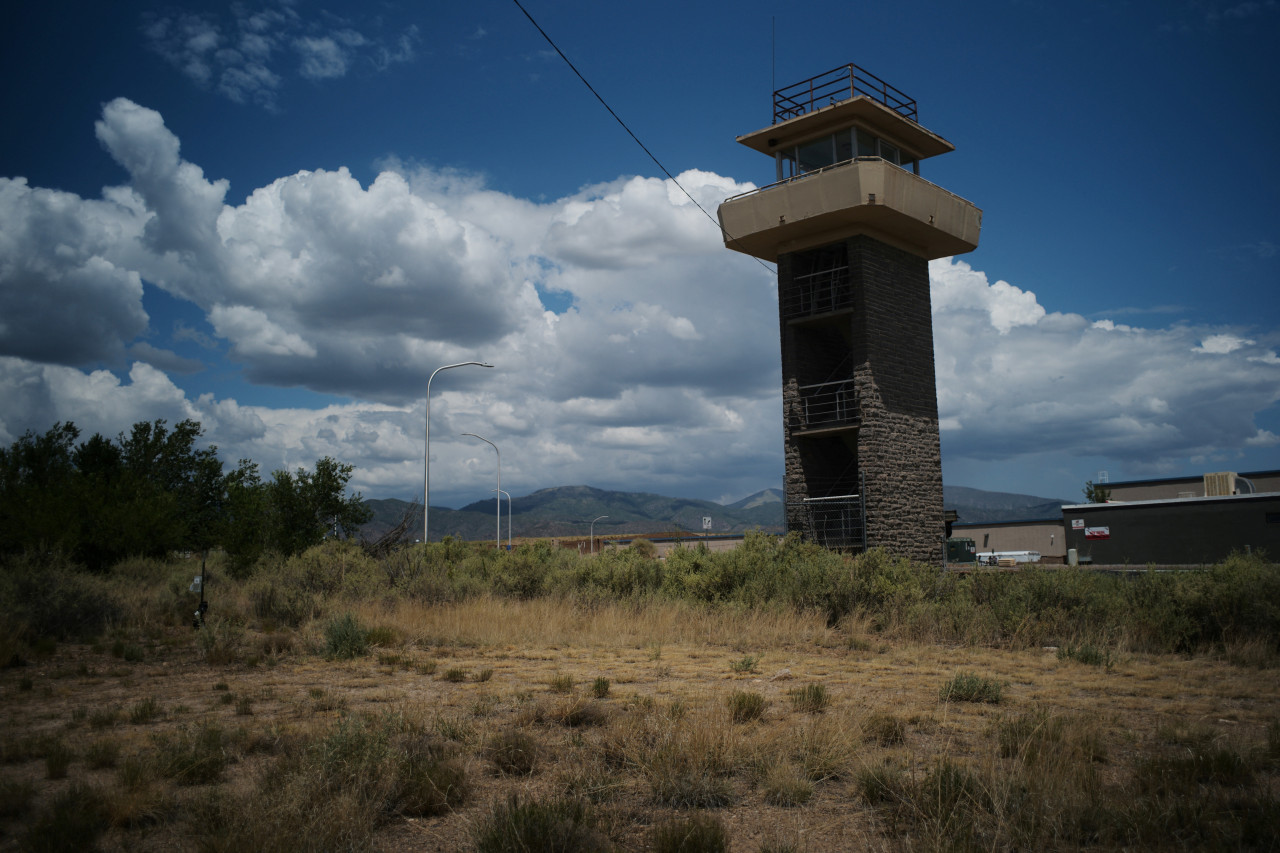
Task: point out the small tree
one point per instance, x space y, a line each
1098 494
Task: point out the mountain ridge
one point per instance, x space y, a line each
563 511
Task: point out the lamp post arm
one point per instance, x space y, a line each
498 542
426 456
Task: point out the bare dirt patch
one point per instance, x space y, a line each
629 710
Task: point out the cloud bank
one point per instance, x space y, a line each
631 349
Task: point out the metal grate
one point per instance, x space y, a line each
838 84
837 522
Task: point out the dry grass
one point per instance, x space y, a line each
380 751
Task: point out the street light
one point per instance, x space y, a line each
426 461
498 543
508 494
593 532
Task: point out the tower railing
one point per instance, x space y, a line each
817 293
838 84
824 405
835 522
843 163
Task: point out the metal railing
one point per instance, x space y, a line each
817 293
826 404
838 84
836 522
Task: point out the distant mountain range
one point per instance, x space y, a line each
977 505
566 511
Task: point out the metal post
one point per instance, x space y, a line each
508 494
498 497
426 458
593 533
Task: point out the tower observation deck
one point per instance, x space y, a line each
852 227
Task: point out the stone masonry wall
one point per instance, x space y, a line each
896 448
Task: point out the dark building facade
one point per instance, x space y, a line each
1174 532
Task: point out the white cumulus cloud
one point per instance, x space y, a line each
661 374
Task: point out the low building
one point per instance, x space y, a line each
1037 534
1206 485
1177 532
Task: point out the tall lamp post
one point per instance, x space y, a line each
508 494
498 543
426 459
593 532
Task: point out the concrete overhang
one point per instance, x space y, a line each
869 197
861 111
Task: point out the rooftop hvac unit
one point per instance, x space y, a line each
1219 484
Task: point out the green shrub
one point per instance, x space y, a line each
600 687
970 687
564 825
345 638
51 599
645 548
697 833
219 640
745 665
1088 654
277 596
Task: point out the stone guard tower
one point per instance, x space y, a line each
852 227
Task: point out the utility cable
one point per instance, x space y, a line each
619 120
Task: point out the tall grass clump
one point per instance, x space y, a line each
745 706
971 687
77 816
345 638
431 778
810 699
49 597
563 825
326 792
697 833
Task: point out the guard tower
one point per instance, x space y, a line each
852 227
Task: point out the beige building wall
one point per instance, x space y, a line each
1043 536
1185 487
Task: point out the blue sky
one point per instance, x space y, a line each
279 218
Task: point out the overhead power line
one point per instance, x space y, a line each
623 124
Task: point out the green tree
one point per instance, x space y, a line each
37 485
154 490
306 506
1098 494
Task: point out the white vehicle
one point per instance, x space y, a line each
1007 558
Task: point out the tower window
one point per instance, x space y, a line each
839 147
